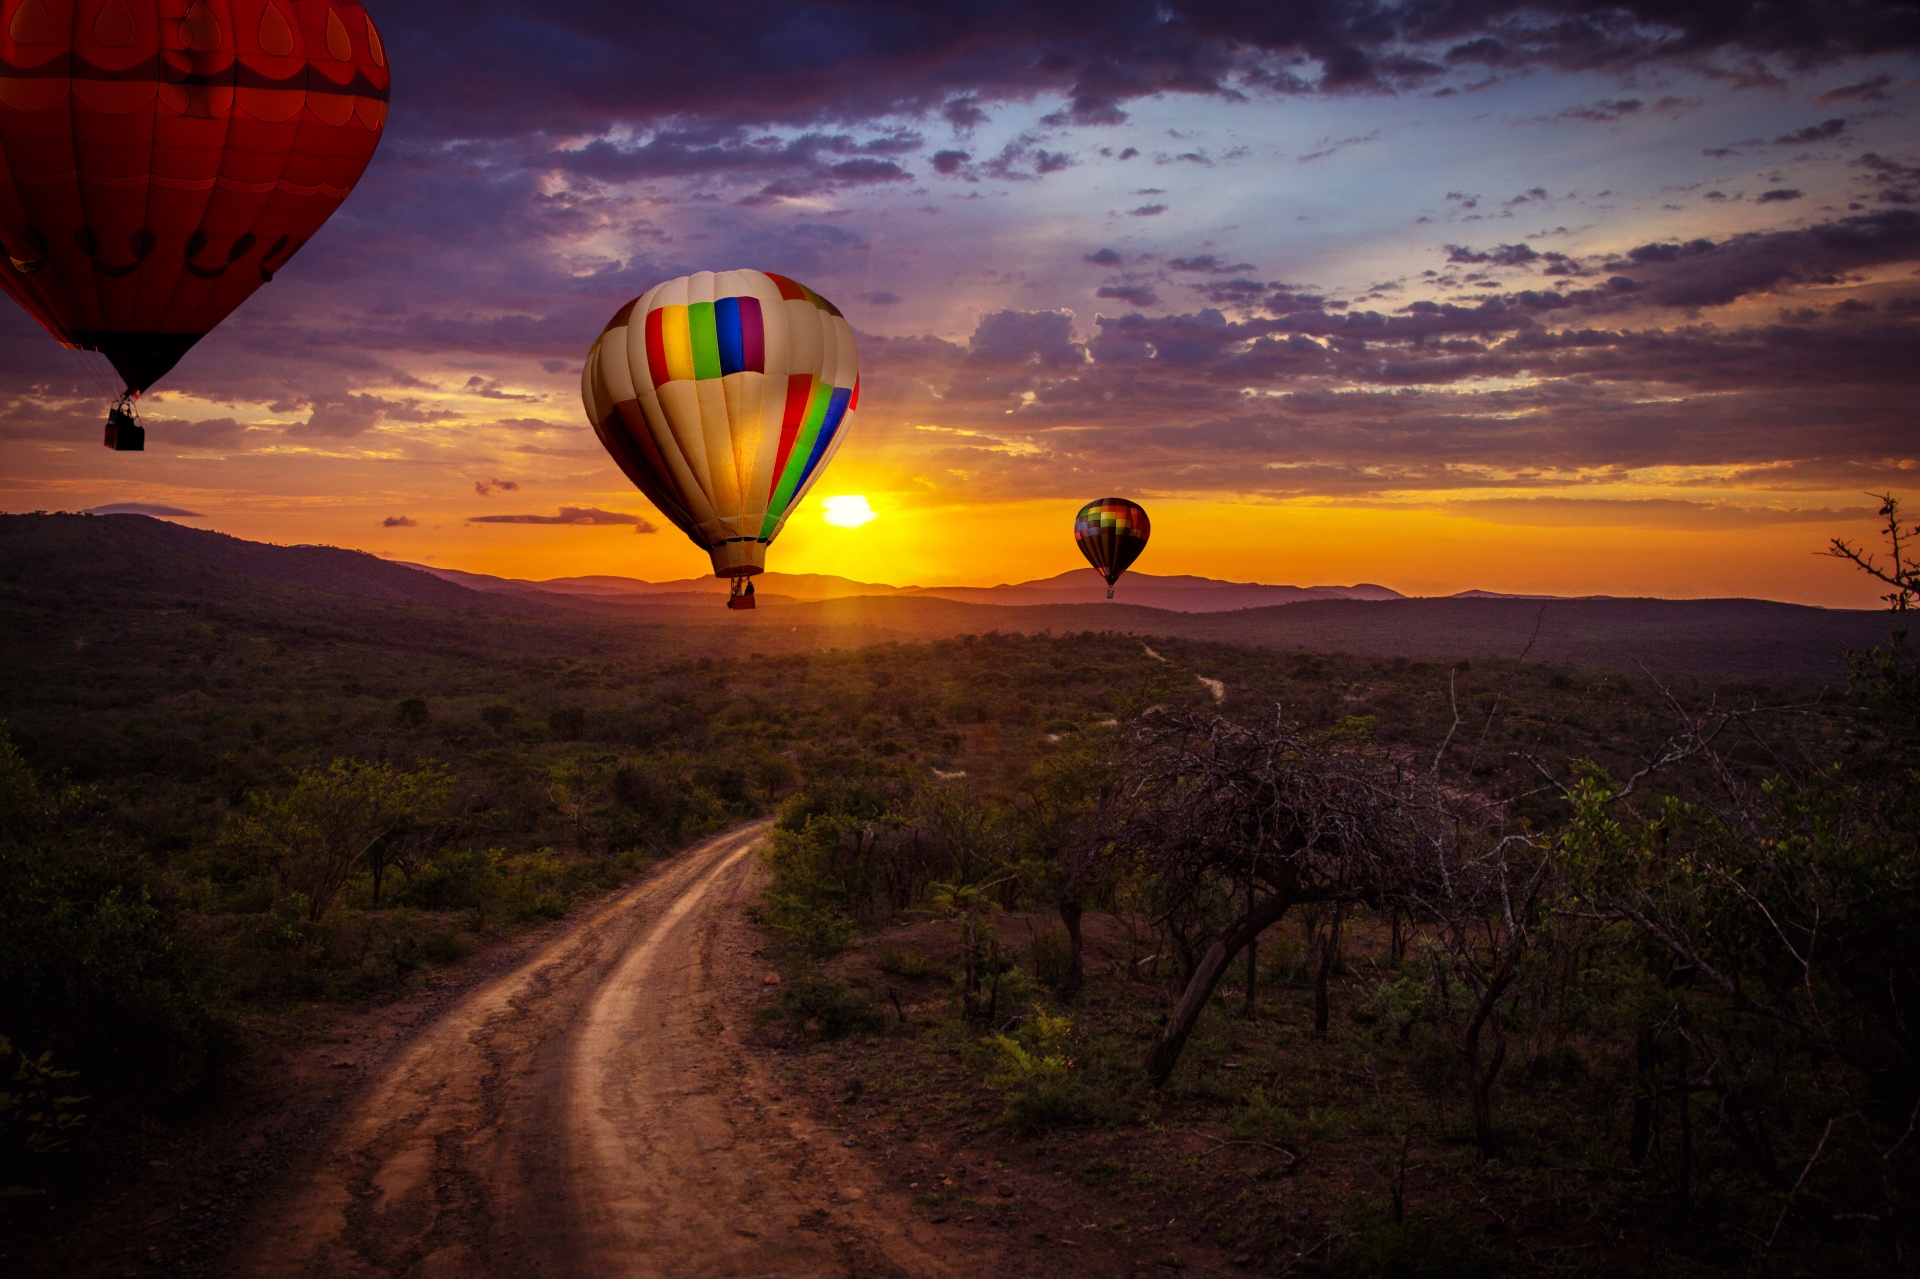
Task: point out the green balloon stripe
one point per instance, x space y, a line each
797 460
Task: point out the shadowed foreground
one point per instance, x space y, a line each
590 1113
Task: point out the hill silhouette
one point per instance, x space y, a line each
143 555
132 561
1178 593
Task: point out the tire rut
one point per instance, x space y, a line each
597 1111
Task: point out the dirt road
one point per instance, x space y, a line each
593 1112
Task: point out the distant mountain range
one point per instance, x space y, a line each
129 566
1175 594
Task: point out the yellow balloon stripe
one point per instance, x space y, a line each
677 338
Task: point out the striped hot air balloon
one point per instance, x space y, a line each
161 159
1111 532
723 396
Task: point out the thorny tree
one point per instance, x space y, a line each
1235 824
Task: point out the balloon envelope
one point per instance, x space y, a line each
161 159
1111 533
723 396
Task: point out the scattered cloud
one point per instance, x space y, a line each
1822 132
1872 89
1604 111
570 515
488 487
1208 263
153 509
399 521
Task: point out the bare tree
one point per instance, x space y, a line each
1253 820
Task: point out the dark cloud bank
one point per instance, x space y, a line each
1615 364
511 122
578 64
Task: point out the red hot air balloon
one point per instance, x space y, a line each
1111 533
161 159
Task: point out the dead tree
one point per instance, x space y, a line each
1257 819
1487 899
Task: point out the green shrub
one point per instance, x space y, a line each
1049 955
444 946
1032 1067
464 879
806 930
39 1117
93 966
827 1007
537 888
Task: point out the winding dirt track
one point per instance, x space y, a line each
593 1113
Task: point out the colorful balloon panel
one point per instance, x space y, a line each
723 396
1111 533
161 159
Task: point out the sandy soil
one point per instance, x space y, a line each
597 1110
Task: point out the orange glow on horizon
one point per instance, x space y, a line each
1412 550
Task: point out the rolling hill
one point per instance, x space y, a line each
1178 594
140 566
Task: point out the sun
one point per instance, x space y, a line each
848 512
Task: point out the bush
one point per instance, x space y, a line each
807 931
466 879
39 1115
1050 956
1032 1067
91 964
651 806
827 1007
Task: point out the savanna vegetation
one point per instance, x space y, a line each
1373 966
1573 974
220 799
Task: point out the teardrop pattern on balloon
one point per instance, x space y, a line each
115 27
339 44
29 25
276 37
139 207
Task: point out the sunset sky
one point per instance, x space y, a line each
1523 297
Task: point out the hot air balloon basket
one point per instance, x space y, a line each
742 596
124 435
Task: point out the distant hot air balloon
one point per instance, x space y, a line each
723 396
161 159
1111 532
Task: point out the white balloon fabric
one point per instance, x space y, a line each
723 395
